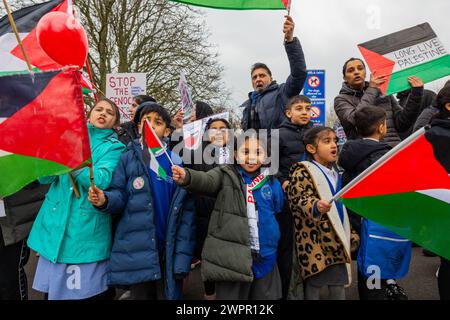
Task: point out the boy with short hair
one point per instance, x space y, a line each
155 239
379 246
298 113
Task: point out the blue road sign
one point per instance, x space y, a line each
318 112
315 84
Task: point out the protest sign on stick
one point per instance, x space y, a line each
187 106
193 132
122 87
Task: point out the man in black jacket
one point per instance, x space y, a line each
21 209
265 107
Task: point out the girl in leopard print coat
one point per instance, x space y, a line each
322 230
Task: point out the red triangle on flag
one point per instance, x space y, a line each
379 65
52 126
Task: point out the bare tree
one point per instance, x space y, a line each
158 37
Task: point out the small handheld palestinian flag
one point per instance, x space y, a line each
43 128
153 148
12 60
415 51
238 4
408 190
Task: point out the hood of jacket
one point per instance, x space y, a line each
346 89
292 126
273 86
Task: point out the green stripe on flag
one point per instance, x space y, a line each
13 72
428 72
162 173
155 150
16 171
237 4
420 218
86 91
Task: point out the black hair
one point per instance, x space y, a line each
260 65
344 69
149 107
442 98
297 99
263 141
143 98
367 120
211 121
112 104
312 136
202 110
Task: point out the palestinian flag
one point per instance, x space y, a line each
238 4
408 190
42 127
153 148
12 60
415 51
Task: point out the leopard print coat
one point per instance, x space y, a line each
318 246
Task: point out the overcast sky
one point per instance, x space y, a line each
329 31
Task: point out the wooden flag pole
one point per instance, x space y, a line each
91 175
13 25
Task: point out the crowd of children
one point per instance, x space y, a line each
258 235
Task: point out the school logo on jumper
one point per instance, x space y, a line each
138 183
266 192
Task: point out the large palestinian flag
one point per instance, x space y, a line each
238 4
42 127
12 60
415 51
408 190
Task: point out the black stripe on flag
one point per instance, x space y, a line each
27 18
402 39
17 91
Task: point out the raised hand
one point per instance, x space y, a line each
415 82
376 81
178 119
288 29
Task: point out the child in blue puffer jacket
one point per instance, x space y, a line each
155 237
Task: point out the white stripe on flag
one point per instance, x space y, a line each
4 153
2 119
417 54
8 61
154 165
440 194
